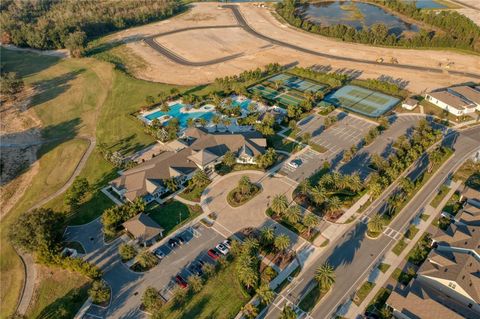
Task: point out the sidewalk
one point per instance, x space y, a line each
379 278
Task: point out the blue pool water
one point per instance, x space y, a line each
244 105
182 117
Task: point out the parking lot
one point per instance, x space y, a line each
179 260
348 131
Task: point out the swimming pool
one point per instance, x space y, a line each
244 104
175 111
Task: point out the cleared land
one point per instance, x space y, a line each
161 69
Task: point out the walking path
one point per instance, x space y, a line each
394 261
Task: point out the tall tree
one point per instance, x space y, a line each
279 204
325 276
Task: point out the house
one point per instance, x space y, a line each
470 193
200 149
447 286
277 114
467 92
448 282
143 229
209 148
149 180
410 104
460 100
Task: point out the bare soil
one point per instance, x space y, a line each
20 139
207 44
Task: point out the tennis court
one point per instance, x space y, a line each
362 100
296 83
265 91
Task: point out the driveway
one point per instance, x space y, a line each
231 220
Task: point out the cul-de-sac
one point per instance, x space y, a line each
280 159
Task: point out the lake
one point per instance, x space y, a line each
428 4
354 14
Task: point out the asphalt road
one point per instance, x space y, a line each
354 255
243 24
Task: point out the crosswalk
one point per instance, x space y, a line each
390 232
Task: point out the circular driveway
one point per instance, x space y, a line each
252 213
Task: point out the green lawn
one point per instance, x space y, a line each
172 214
411 232
67 290
399 247
379 300
362 292
193 193
383 267
401 277
440 196
280 143
311 298
74 97
222 297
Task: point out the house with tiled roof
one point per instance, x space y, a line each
143 229
459 100
448 282
209 148
202 150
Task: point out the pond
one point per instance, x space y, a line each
428 4
354 14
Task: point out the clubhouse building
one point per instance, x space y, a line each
458 100
197 149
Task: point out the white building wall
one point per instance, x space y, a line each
451 289
444 106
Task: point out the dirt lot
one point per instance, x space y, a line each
206 44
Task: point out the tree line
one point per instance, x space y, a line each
458 31
56 24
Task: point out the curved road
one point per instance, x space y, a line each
27 260
244 25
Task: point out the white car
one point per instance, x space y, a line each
222 248
227 243
295 163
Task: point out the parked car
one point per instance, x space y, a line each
180 240
295 163
196 269
173 243
227 243
213 254
159 253
222 248
180 281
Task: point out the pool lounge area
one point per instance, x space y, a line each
179 111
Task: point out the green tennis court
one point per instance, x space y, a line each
362 100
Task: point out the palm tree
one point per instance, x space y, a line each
279 204
310 221
250 311
407 185
146 259
333 204
288 313
304 187
200 178
265 294
375 225
248 276
245 185
293 214
375 190
282 242
267 234
325 276
318 194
